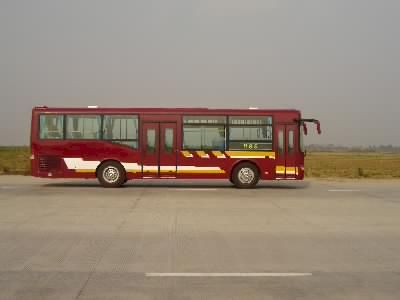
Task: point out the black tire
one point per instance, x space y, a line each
245 176
111 174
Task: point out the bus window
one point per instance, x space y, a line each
204 137
151 140
302 148
86 127
191 137
291 141
168 140
281 142
204 132
51 126
250 133
121 129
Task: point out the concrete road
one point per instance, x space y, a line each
63 239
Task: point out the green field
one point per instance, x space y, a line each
15 160
353 165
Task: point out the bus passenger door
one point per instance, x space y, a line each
159 156
286 151
168 154
150 150
292 150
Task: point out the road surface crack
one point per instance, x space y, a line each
107 247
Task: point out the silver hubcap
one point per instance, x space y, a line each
111 174
246 175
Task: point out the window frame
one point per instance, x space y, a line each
165 148
39 127
82 114
227 128
115 141
281 142
101 137
154 148
290 142
200 125
266 141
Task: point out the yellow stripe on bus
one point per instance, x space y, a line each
291 170
280 169
134 171
202 154
218 154
251 154
84 171
201 171
183 171
187 154
232 154
287 170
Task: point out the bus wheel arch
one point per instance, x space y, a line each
245 174
111 173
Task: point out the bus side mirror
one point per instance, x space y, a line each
318 126
315 121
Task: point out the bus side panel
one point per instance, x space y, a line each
201 165
218 165
79 159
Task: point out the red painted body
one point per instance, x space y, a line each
47 155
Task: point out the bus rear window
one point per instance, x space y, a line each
51 127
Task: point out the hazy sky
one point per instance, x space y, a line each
337 60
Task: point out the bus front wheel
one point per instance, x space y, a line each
111 174
245 176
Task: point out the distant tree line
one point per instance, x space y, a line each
339 148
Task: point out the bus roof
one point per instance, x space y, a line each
153 110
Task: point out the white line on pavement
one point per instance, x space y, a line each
227 274
193 189
343 190
5 187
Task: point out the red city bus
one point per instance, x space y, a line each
120 144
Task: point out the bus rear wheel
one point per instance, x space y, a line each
111 174
245 176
